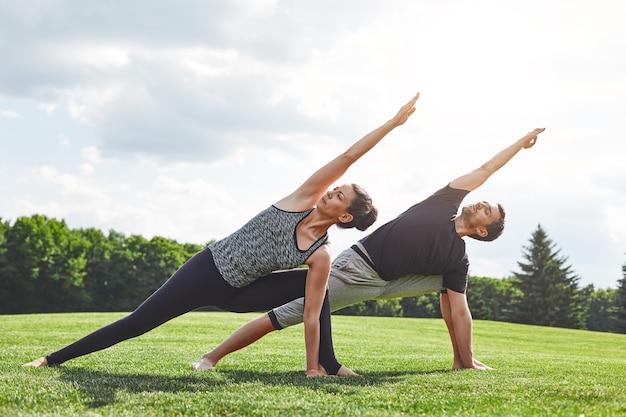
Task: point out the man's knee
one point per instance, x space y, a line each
273 321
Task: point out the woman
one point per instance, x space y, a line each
287 234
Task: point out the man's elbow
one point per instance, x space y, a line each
485 171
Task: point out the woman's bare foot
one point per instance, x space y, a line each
37 363
343 371
316 373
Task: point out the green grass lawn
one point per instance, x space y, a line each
404 365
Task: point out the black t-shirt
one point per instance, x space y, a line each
423 240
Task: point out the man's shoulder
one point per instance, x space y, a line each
448 189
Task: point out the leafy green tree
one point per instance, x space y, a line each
124 271
386 308
4 273
157 259
598 310
550 288
424 306
619 306
124 282
99 270
46 267
42 267
4 226
493 299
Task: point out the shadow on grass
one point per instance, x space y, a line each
102 387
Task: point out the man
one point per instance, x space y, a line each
420 251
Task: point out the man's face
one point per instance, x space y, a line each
480 214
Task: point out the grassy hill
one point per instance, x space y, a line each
404 366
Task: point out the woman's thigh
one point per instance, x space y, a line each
268 292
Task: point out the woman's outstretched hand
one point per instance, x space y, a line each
405 111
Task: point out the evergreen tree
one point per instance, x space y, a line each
619 312
550 289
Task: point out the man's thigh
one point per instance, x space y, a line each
412 286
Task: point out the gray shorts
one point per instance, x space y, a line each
352 280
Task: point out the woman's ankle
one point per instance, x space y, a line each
343 371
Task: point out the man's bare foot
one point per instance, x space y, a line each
37 363
343 371
203 364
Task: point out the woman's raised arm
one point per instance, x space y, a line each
309 193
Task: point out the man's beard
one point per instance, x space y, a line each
467 216
466 212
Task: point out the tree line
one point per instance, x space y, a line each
47 267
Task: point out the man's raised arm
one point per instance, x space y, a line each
476 178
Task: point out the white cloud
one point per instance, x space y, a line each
8 114
91 155
87 104
48 107
94 55
67 185
86 169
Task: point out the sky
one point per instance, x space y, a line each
185 118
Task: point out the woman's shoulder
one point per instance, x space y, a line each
287 208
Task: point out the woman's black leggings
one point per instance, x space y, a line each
198 284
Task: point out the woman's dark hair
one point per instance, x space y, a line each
494 230
363 212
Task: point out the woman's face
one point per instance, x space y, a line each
336 202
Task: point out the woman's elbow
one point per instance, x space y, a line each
348 158
310 319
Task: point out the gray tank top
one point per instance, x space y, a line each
265 244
